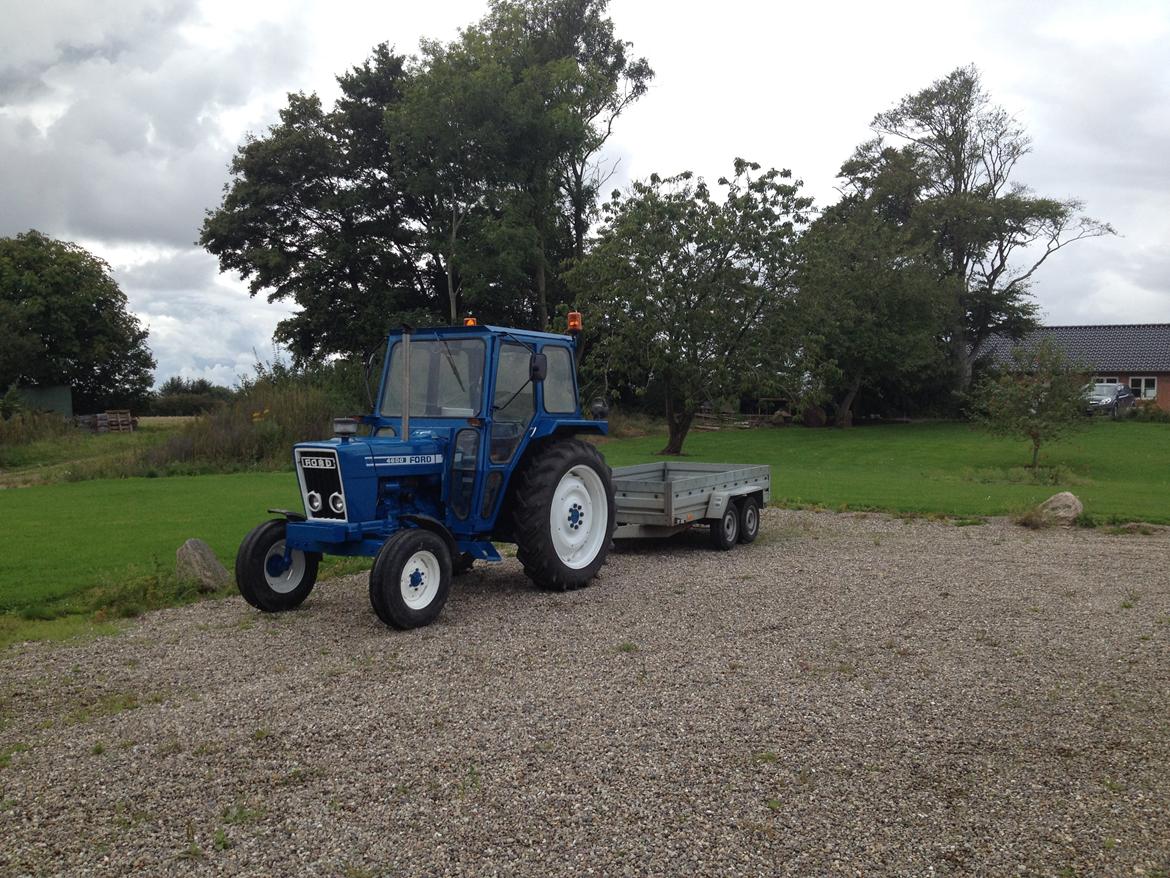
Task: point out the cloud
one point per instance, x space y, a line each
202 324
113 131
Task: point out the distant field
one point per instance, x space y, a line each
66 538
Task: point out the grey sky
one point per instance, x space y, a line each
118 121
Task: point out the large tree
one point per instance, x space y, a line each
691 293
64 320
871 303
316 212
944 158
461 180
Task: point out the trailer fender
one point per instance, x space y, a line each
720 499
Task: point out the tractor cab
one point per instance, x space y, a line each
471 441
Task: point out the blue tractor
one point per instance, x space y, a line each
473 439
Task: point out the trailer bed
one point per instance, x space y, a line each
658 499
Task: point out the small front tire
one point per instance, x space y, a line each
725 529
411 579
266 579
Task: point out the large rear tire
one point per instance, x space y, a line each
264 578
563 514
411 579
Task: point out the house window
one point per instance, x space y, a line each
1144 388
1100 379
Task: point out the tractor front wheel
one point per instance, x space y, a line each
411 578
269 576
563 512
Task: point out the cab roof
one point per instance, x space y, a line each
530 335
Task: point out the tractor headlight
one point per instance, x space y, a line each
336 503
314 501
345 427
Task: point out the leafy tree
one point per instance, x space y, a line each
449 182
64 320
692 293
871 302
1040 397
317 212
947 175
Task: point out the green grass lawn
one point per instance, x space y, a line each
1119 470
66 539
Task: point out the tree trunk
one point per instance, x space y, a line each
844 414
961 358
678 423
1035 453
451 284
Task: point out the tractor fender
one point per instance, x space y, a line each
426 522
289 514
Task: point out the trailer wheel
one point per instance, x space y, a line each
725 529
265 579
411 578
749 520
563 513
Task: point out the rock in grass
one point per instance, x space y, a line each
1061 509
194 561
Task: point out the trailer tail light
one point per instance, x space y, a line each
470 321
574 321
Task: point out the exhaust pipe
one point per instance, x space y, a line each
406 330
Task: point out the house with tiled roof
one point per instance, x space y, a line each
1137 354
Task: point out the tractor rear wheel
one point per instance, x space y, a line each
411 578
563 515
267 580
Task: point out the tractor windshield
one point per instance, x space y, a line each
446 378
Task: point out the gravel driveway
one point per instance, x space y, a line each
853 695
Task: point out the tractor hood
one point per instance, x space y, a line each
339 480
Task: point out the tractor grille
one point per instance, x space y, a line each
321 487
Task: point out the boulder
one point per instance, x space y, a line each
194 561
1061 509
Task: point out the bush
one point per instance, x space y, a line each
273 409
1149 413
26 427
175 404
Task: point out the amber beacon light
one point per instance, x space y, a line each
469 321
574 321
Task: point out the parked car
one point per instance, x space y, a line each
1108 399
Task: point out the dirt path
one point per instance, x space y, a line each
853 695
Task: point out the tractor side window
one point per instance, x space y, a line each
559 395
514 403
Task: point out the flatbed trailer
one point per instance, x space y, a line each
662 499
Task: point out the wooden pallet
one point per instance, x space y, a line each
119 421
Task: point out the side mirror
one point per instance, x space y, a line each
599 409
538 367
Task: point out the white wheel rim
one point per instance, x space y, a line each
579 517
292 575
419 581
749 520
